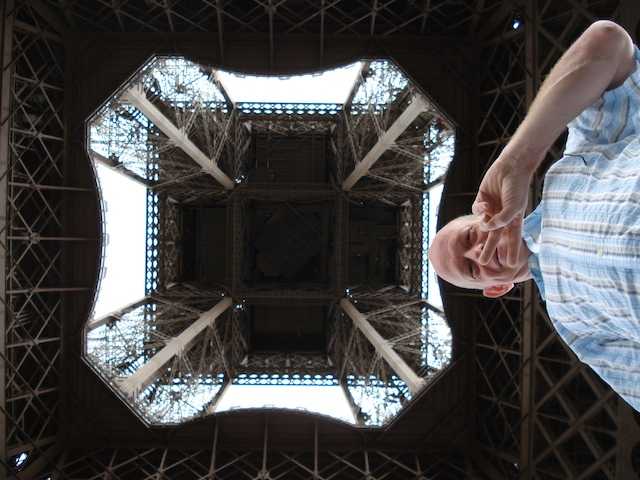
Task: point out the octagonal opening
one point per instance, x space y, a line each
274 232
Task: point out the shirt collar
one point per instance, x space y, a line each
531 228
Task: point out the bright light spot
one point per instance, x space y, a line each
124 254
516 23
326 400
332 86
21 459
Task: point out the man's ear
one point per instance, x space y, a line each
497 290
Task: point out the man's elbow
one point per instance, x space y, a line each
607 27
605 37
606 40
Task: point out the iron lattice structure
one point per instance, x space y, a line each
173 128
130 134
265 463
539 412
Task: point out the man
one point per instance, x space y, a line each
582 243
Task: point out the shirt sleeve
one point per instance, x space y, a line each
615 359
611 119
531 229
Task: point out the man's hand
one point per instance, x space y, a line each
502 195
501 202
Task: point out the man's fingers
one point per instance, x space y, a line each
489 247
499 220
479 207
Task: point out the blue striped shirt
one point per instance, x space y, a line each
585 238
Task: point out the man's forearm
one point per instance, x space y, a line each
600 59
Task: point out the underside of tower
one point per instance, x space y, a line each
281 244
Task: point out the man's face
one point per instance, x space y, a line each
456 256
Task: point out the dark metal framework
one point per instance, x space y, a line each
211 463
540 412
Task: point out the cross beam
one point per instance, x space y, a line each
356 411
115 314
217 399
6 70
146 374
118 167
530 302
415 108
136 97
383 347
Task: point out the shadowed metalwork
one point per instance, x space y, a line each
535 410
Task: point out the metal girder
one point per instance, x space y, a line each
356 411
118 168
386 140
106 318
414 382
51 16
317 462
490 24
329 17
218 5
32 179
628 437
5 125
476 17
149 371
136 96
529 300
234 210
356 86
219 396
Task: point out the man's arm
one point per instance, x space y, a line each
602 58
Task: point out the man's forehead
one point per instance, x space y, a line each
447 253
444 242
454 227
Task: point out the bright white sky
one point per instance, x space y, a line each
327 400
125 216
329 87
